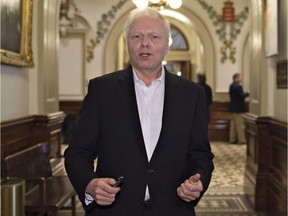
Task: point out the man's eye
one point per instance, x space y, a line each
136 37
153 37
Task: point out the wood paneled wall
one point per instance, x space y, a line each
218 125
22 133
219 121
266 164
70 107
72 111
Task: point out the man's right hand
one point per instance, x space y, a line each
102 191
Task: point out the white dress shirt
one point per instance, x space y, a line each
150 100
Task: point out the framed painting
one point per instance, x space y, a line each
282 74
16 33
271 27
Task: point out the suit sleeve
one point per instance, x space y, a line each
200 155
82 151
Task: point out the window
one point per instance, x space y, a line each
178 40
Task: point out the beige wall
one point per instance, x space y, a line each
14 92
265 98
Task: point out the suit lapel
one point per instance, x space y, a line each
126 93
170 101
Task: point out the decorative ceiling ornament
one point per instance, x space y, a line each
228 48
228 26
158 4
228 12
66 14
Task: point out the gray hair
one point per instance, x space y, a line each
149 12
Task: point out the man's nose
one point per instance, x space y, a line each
145 42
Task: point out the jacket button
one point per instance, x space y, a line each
150 171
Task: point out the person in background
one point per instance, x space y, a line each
237 108
145 124
201 80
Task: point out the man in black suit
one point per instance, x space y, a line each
237 108
145 124
201 80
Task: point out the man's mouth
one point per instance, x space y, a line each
145 55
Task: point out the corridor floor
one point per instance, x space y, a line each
225 196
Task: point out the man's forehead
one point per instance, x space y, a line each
147 22
144 18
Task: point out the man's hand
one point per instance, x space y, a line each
190 189
102 191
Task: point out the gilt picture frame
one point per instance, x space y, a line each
271 27
16 33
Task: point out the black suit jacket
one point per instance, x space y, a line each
109 129
237 98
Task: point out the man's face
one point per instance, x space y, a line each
147 43
238 79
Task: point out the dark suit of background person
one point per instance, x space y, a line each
109 129
237 108
201 80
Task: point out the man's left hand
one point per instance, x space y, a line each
191 188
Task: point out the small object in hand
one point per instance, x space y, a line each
118 182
